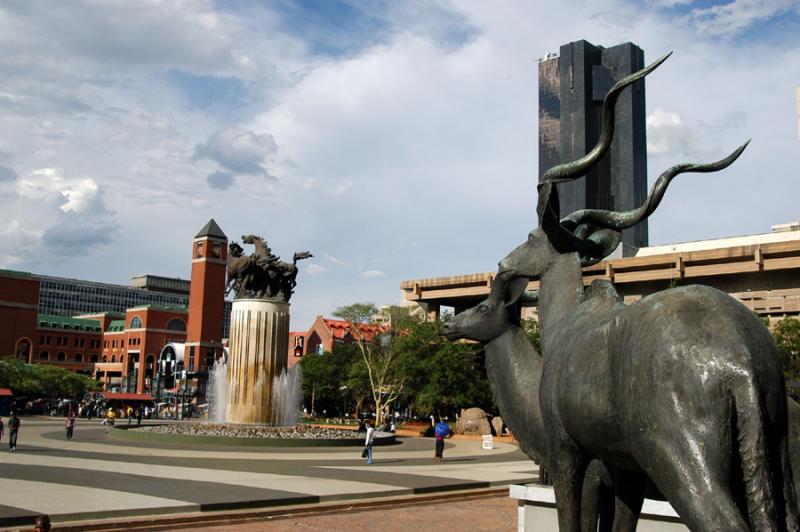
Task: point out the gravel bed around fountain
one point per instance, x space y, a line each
248 435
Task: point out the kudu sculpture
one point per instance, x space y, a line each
684 386
514 368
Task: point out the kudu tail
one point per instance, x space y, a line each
765 466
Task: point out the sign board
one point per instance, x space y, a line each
487 442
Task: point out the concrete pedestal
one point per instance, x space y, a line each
258 350
536 511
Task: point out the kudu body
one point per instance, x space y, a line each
514 368
684 385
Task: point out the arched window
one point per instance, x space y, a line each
95 357
78 357
136 323
113 358
176 325
44 355
61 356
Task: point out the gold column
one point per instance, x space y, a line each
258 351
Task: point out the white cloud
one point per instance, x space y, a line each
666 133
734 17
238 150
373 274
330 258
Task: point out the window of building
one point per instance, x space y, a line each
44 355
94 357
78 357
176 324
105 358
76 341
136 322
61 356
113 358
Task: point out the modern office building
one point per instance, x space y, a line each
572 86
60 296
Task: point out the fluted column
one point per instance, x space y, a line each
257 352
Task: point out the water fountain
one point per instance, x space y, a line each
253 397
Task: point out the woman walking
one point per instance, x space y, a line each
368 441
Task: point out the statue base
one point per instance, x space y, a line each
258 351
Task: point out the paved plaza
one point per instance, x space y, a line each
96 476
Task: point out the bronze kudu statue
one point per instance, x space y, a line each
684 386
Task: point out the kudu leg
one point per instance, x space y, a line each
568 475
629 496
695 483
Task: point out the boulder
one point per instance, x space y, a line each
473 421
497 425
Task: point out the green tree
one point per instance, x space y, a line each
455 379
531 328
43 380
383 363
787 337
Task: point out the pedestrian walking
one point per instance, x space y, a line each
1 429
69 424
139 414
13 430
129 413
109 420
441 430
369 440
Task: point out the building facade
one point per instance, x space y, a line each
325 333
120 348
572 86
762 271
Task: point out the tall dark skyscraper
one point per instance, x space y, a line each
571 91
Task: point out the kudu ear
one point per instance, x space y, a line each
514 290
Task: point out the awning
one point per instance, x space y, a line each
5 392
116 396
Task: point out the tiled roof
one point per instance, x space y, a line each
211 229
111 396
157 306
15 273
62 322
341 328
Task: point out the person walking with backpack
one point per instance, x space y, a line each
369 440
13 430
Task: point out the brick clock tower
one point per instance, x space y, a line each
206 298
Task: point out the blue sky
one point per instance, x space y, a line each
395 140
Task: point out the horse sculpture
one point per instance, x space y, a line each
684 386
262 274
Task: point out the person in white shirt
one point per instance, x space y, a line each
369 440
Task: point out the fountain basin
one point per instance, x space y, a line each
248 435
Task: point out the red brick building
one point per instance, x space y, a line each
326 333
121 350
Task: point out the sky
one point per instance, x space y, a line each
395 140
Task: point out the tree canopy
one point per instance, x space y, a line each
42 380
411 364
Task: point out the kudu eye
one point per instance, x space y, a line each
483 309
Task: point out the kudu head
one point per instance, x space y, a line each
488 319
591 233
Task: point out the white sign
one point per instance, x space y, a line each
487 442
